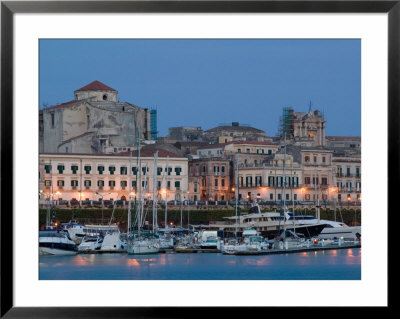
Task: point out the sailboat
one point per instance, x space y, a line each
141 243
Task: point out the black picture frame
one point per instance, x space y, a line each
9 8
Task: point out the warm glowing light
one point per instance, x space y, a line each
233 189
311 135
171 223
303 189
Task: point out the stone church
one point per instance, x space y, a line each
94 122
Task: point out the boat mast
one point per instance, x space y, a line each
237 196
155 192
130 189
136 184
283 188
166 195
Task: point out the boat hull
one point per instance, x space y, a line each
48 251
142 249
308 231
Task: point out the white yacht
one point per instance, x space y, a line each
333 229
268 224
112 241
56 242
209 240
75 231
90 243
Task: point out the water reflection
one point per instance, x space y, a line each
334 264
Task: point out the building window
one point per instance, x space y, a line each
47 168
307 180
168 185
222 169
124 184
124 170
87 169
100 183
307 159
339 197
239 150
158 185
112 170
74 183
271 196
308 197
169 170
195 187
279 196
315 180
357 171
61 169
323 159
295 197
159 170
247 150
87 183
178 171
222 182
348 171
269 152
105 97
134 170
60 183
111 183
47 182
74 169
287 196
315 159
270 181
324 181
100 169
216 182
177 185
52 119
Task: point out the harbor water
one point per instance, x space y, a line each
337 264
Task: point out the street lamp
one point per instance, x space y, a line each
102 205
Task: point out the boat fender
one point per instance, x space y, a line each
281 245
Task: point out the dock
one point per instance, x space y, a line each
119 251
274 251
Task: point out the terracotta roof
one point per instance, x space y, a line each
61 105
96 86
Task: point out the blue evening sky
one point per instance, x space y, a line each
209 82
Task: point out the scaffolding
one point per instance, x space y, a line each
286 122
153 124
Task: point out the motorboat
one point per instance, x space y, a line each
332 229
251 243
56 242
112 242
75 231
268 224
209 240
90 243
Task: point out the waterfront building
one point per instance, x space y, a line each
347 179
94 122
209 179
264 182
317 173
67 176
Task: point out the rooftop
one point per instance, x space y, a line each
96 86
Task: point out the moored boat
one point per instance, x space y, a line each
56 242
